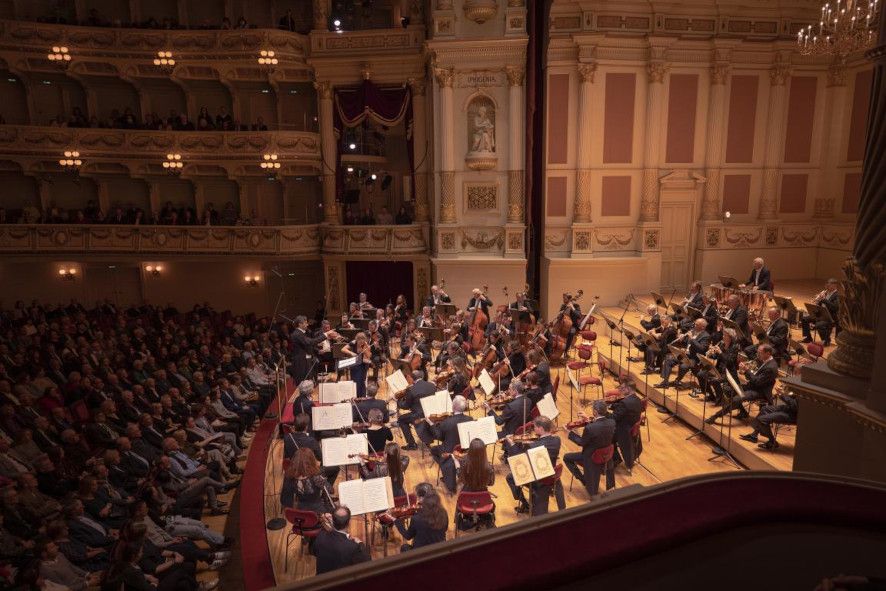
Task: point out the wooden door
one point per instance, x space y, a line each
676 245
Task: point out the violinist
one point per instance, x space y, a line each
354 310
598 432
363 303
626 413
345 323
539 365
479 298
760 382
458 383
299 438
426 320
447 433
429 524
521 304
378 345
363 406
303 484
438 296
540 490
411 402
394 465
413 349
378 433
500 325
829 298
360 349
572 309
476 473
401 310
450 351
515 413
324 349
697 341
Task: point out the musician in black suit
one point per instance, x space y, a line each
666 333
438 296
411 401
447 433
739 315
303 350
829 298
760 278
362 407
303 403
334 547
783 413
626 413
522 304
654 318
697 341
479 298
693 299
540 490
515 413
759 384
597 433
409 347
725 353
777 334
300 438
710 313
572 309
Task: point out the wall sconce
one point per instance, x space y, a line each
71 161
268 59
270 162
173 163
252 280
164 61
59 55
68 273
154 270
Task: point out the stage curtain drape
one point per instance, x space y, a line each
387 106
382 281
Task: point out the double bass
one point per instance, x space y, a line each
525 329
560 328
477 325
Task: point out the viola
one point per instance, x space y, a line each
500 400
436 418
403 512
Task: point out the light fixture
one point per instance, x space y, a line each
267 58
373 176
173 163
59 55
352 146
350 169
844 27
164 60
68 273
71 160
269 162
154 270
336 23
251 280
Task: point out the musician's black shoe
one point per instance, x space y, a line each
752 437
769 445
679 385
664 385
647 371
635 360
807 339
521 508
710 420
827 343
410 447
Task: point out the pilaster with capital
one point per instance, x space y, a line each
420 149
321 15
581 213
775 126
655 74
328 145
714 144
516 119
445 77
835 109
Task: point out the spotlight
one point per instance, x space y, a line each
336 23
352 146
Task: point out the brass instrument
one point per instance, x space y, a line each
820 296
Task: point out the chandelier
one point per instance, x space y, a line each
844 27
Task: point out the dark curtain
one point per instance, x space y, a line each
382 281
537 17
387 106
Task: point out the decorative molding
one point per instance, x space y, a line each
515 197
447 197
481 196
515 75
779 74
586 72
655 72
480 78
810 234
614 238
444 76
837 74
720 73
483 240
651 239
480 11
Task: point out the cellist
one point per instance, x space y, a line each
479 298
572 309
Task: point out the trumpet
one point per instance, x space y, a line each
820 296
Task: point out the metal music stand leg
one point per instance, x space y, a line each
704 406
673 415
721 452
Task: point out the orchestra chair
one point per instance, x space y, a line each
589 380
556 483
472 506
637 440
815 351
584 354
386 522
602 456
305 524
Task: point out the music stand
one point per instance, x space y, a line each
651 346
659 300
718 450
728 282
630 337
445 310
788 311
818 314
361 323
739 333
710 367
680 355
431 333
348 333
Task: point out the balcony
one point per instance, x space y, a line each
385 240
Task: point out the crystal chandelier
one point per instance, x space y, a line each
845 26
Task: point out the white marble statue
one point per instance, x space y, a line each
484 132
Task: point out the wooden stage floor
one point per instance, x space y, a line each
667 453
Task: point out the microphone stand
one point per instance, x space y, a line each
277 522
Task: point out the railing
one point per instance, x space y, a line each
392 240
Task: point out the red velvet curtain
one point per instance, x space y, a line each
382 281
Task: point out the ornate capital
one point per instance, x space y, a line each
444 76
586 71
779 74
656 71
418 86
859 306
515 75
324 90
837 74
649 196
719 73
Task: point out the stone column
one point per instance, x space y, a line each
835 107
445 78
581 213
714 143
321 15
44 188
515 145
775 130
328 146
420 149
655 72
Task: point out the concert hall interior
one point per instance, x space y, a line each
435 294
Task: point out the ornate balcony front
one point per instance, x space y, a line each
375 240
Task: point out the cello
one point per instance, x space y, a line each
525 329
560 328
479 320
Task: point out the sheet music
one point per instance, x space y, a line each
572 379
733 383
438 404
366 496
547 407
521 469
347 362
396 382
335 451
540 460
336 392
486 383
332 417
483 429
587 317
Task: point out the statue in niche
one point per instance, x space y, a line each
481 117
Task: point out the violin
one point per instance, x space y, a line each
499 400
458 453
523 438
403 512
436 418
580 422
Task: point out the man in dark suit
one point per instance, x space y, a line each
597 433
334 547
776 334
99 433
299 438
140 446
478 298
303 350
770 414
697 341
739 315
710 313
521 304
84 529
151 432
830 300
361 409
665 334
626 413
760 278
572 310
438 296
447 433
692 300
540 490
130 461
759 385
515 413
411 402
654 318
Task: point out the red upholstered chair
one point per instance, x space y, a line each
601 457
305 524
473 506
584 354
557 483
814 352
589 380
588 336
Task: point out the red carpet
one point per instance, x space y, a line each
258 572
